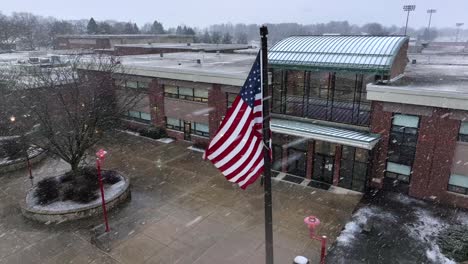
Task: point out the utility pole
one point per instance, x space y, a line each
430 12
458 29
408 9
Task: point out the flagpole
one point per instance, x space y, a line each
266 151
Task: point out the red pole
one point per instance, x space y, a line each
30 170
98 162
324 250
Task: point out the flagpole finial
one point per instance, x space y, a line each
263 30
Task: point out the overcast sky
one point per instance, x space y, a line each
201 13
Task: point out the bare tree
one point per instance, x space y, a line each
73 106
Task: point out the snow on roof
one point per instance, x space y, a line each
229 69
188 46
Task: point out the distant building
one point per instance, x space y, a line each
158 48
109 41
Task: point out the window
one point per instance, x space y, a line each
174 123
402 147
200 129
353 169
198 95
230 97
171 91
139 116
332 96
131 84
458 184
463 134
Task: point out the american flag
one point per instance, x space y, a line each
237 148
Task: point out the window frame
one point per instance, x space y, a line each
172 127
197 132
187 97
138 117
400 149
462 137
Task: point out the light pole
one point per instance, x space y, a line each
408 9
458 29
101 154
430 12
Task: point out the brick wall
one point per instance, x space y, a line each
217 105
156 97
381 123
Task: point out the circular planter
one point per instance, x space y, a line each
11 165
63 211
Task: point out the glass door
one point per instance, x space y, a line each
187 130
297 160
324 160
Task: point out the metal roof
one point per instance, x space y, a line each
325 133
350 53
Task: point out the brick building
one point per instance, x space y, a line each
158 48
109 41
345 112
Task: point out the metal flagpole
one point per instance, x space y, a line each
266 152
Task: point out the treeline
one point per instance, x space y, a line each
29 31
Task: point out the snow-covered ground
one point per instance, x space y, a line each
395 226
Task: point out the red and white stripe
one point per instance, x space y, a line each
237 148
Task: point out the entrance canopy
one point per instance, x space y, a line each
336 53
325 133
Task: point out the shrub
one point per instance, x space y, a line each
47 191
110 177
454 242
82 194
154 132
13 148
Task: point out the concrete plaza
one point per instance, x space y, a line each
181 211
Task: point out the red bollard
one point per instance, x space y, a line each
312 223
100 156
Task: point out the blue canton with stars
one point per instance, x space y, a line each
252 85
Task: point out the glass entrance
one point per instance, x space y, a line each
187 130
297 160
324 160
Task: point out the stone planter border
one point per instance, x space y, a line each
21 163
48 216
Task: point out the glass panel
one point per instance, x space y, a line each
398 168
347 153
325 148
459 180
406 120
134 114
142 85
132 84
362 155
170 89
201 93
173 121
464 128
185 91
202 127
145 116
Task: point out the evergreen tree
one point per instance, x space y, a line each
92 27
136 30
157 28
206 38
227 38
216 37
